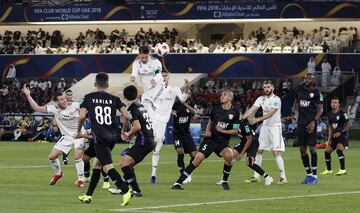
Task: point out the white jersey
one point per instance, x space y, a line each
165 101
266 103
66 119
146 72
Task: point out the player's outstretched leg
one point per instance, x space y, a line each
250 163
188 170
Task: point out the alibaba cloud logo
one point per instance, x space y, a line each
217 14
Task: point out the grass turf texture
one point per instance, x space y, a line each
25 174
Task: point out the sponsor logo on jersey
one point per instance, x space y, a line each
334 125
183 120
223 125
304 103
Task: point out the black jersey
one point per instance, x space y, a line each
245 130
308 103
101 107
182 119
338 120
138 112
224 118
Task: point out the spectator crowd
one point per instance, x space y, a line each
323 39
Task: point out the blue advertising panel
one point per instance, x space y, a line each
189 11
215 65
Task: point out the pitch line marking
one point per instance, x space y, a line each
234 201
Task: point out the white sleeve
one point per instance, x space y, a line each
258 102
76 105
158 66
276 103
135 70
159 80
179 94
51 109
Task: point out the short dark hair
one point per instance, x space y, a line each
69 90
130 93
269 82
56 95
335 98
144 50
102 80
309 73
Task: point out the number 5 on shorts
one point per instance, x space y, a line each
204 147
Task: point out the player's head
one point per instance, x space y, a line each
144 52
68 95
309 80
226 96
335 103
60 99
130 93
165 74
268 87
102 80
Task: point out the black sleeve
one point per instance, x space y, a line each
133 115
212 113
119 103
245 128
84 103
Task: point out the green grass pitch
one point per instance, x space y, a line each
25 173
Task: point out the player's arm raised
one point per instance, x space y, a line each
191 109
31 101
250 111
182 96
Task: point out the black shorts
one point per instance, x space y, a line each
208 146
336 141
139 151
103 153
304 138
252 150
90 151
184 141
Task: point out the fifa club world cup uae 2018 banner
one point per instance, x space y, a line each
189 11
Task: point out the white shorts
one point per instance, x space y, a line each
65 144
159 128
271 139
